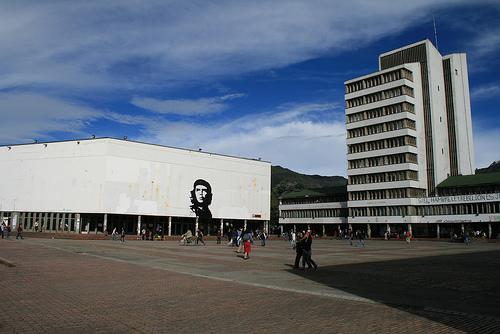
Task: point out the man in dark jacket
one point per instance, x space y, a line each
19 232
299 249
307 252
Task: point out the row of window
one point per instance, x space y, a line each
386 194
382 144
430 210
380 128
379 80
392 159
316 213
380 112
483 189
379 211
384 177
379 96
311 200
459 209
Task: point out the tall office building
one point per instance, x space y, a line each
408 129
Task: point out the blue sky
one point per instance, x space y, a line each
247 78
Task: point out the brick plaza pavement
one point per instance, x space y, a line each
74 286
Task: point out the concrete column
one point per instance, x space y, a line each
78 225
139 218
44 219
438 234
368 231
63 221
245 225
196 225
281 228
63 226
294 228
462 227
169 226
490 231
15 219
221 227
350 226
409 229
105 223
388 228
51 219
324 231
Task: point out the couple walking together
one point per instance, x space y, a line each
303 249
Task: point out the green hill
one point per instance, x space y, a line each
493 168
284 180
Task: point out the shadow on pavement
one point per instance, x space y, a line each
460 290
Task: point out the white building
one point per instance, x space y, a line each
324 211
94 185
408 129
410 155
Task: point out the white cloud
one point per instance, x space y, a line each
308 138
132 44
486 91
487 42
185 107
28 116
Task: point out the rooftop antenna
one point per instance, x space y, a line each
435 32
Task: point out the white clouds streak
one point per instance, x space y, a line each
486 91
26 116
304 137
131 44
186 107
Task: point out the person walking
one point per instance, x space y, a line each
199 237
122 237
19 232
361 237
408 237
239 240
263 237
247 244
293 240
8 231
307 252
219 237
466 239
299 250
351 236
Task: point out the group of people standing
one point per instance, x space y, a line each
5 230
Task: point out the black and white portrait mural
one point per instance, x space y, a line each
201 198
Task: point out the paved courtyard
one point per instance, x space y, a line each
74 286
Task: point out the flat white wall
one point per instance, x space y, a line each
59 177
463 119
439 121
115 176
